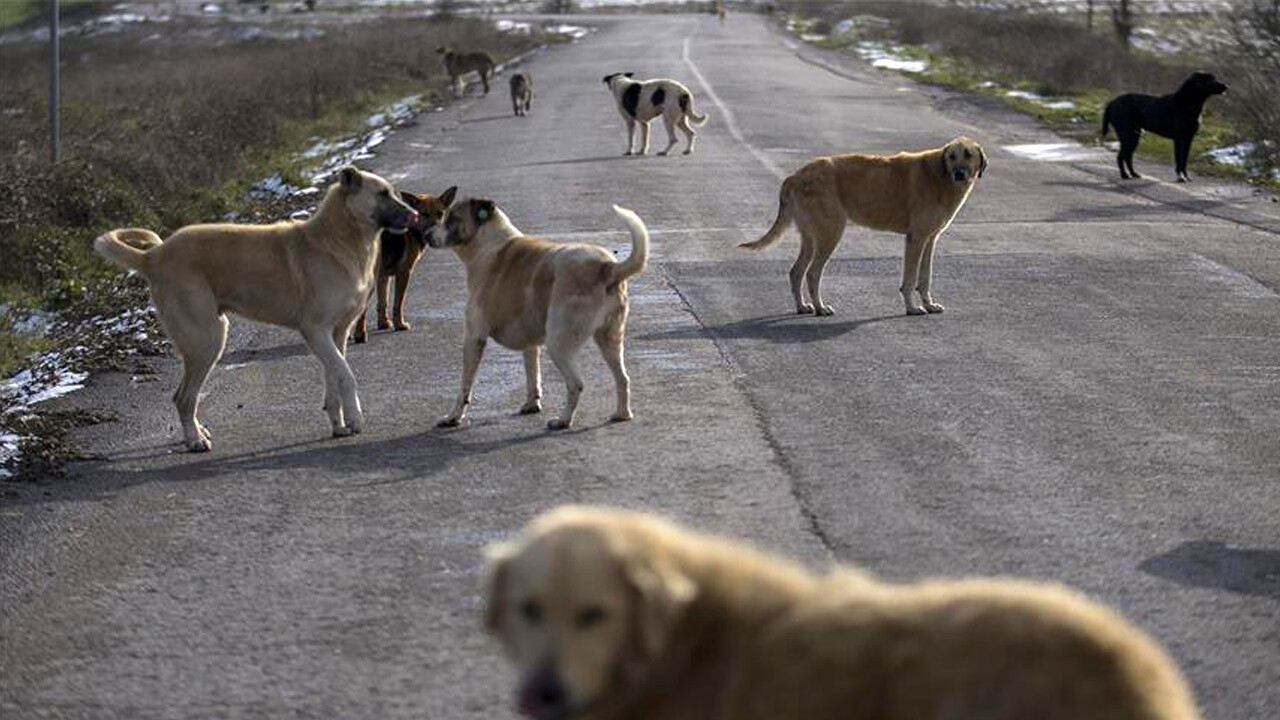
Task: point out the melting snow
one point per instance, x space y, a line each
1041 100
888 58
1237 154
1054 152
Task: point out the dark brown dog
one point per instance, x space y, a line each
1175 116
398 256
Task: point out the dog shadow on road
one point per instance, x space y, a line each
788 328
576 161
1205 564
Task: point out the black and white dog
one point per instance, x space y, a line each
640 101
1175 116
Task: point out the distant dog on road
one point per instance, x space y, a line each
459 64
1175 116
916 193
641 101
527 292
521 93
398 254
612 615
313 276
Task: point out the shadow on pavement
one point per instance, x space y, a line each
250 355
788 328
1205 564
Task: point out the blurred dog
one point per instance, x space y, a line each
917 193
1175 116
313 276
527 292
609 614
521 93
459 64
641 101
398 255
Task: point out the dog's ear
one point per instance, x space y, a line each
661 596
942 162
446 197
982 159
609 77
497 560
350 178
482 210
628 74
410 199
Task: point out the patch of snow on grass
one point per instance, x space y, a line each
577 32
1054 152
1041 100
888 58
1237 155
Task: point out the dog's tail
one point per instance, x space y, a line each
780 223
635 262
1106 121
128 247
686 104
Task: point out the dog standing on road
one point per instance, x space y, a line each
398 255
616 615
640 101
458 64
527 292
521 93
917 193
313 276
1175 116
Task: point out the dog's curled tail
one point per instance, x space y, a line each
780 223
635 262
686 104
127 247
1106 121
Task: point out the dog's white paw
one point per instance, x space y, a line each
621 416
824 310
343 431
402 326
913 310
934 307
804 309
532 407
199 445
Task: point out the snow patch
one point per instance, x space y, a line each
1041 100
1237 155
889 57
1054 152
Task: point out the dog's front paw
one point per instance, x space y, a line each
687 152
662 153
342 431
558 424
934 307
824 310
449 422
621 416
359 338
384 323
627 154
804 309
199 445
915 310
532 407
402 326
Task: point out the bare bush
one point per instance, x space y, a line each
1254 58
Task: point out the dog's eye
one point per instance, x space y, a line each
531 611
589 616
967 155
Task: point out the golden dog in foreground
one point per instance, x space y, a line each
611 614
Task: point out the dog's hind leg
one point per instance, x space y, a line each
341 402
402 287
798 270
532 381
824 245
384 288
1181 154
913 250
926 275
610 341
200 334
564 338
671 133
644 138
1128 145
689 133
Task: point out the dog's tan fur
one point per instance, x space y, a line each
313 276
615 615
527 292
917 194
459 64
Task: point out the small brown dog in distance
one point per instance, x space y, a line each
615 615
397 257
458 64
917 194
521 93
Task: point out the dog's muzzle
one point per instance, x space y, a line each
400 222
543 696
959 175
437 237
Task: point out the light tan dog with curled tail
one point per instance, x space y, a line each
313 276
617 615
526 292
914 193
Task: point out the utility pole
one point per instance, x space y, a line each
55 87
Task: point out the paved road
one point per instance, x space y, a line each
1099 405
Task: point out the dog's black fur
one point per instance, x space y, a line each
1175 116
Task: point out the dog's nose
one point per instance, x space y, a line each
543 695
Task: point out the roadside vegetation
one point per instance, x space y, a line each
1062 68
167 124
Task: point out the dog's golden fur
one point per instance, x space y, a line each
458 64
527 292
615 615
917 194
313 276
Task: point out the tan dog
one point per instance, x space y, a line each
458 64
398 255
527 292
313 276
613 615
917 194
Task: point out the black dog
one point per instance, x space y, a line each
1175 116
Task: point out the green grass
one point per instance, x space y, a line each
16 12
